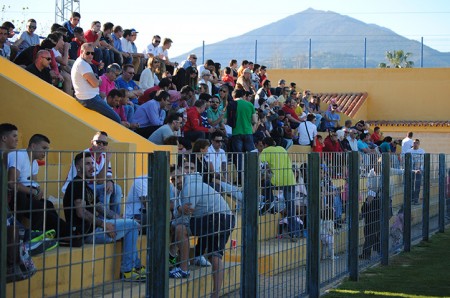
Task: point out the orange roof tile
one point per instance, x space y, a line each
436 123
349 103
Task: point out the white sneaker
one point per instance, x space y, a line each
200 261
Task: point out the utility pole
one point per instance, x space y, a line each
64 8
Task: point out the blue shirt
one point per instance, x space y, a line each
331 116
149 114
362 145
117 43
130 86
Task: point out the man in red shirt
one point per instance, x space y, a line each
376 137
193 129
289 109
93 36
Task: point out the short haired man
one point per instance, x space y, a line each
89 221
216 114
71 24
27 38
332 118
150 115
407 142
283 177
108 192
86 84
417 169
5 49
126 81
279 88
307 131
117 101
152 49
108 79
171 128
22 178
40 67
191 60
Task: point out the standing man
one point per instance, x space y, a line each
92 224
108 192
283 177
40 67
417 169
86 84
407 142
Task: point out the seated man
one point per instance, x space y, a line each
150 116
136 204
126 81
81 209
332 119
40 66
86 84
107 191
29 200
115 100
171 128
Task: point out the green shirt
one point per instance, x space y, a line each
245 111
280 164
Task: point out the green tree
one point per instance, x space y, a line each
397 59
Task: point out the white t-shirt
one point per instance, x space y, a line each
353 143
126 45
407 144
83 90
148 79
133 203
28 40
216 158
20 160
150 49
165 53
303 134
417 158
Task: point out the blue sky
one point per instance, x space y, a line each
188 23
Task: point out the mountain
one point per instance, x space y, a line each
337 41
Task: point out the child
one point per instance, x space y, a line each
318 144
327 233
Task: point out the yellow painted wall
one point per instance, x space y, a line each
394 94
37 107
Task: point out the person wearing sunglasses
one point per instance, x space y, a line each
86 84
40 67
28 38
108 192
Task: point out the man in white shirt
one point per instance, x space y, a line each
407 142
352 140
417 169
152 49
136 204
86 84
307 131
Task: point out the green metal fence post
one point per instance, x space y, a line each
353 222
313 241
3 214
426 198
249 237
158 225
442 189
385 210
407 192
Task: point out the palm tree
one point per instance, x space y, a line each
397 59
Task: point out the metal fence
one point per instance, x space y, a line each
274 224
324 52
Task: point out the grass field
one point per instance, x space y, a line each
424 272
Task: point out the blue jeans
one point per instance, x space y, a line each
127 229
289 199
241 143
417 182
113 200
99 105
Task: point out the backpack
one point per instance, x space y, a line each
231 113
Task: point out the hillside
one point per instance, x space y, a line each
337 41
